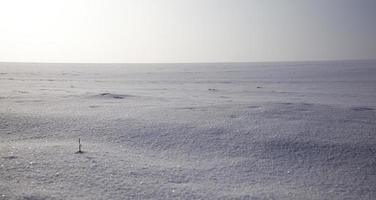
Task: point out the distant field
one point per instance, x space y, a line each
302 130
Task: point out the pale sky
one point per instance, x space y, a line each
186 30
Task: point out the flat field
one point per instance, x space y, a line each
302 130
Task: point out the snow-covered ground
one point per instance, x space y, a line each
188 131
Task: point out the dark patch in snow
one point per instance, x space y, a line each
253 106
362 109
194 108
34 197
36 101
114 96
22 92
9 157
216 131
189 108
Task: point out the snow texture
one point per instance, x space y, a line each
303 130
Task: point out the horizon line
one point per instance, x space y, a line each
209 62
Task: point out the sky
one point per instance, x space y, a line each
159 31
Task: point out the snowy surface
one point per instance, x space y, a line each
188 131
